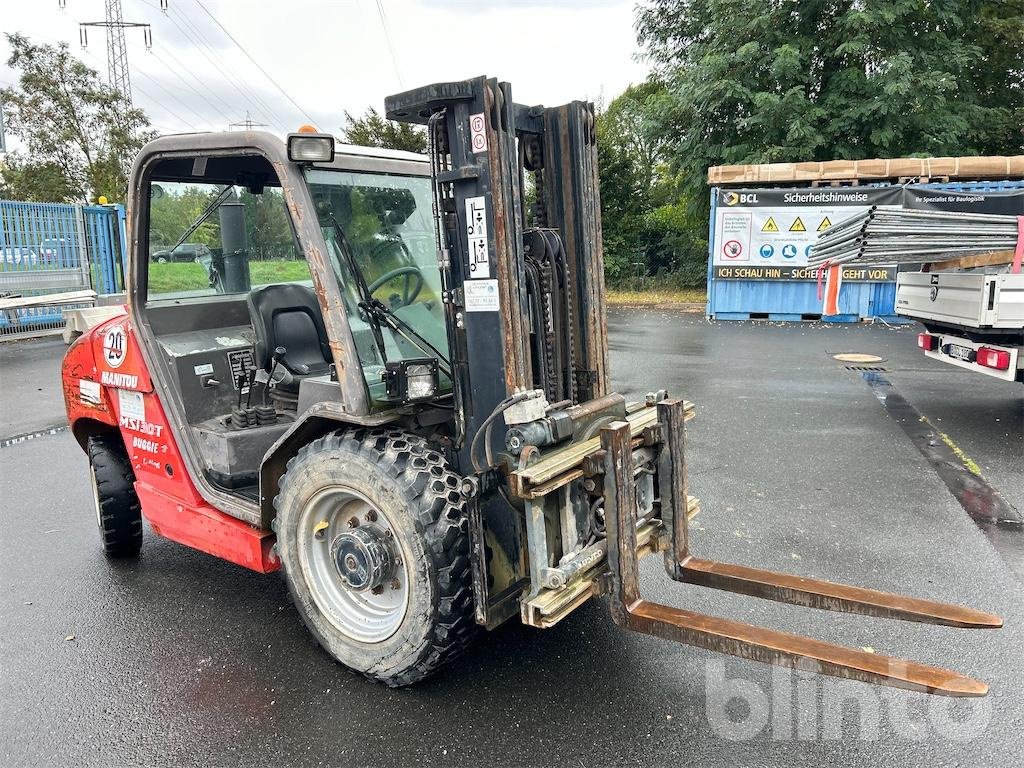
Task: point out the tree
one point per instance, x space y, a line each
752 82
372 130
646 222
78 134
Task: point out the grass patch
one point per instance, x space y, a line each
174 277
655 296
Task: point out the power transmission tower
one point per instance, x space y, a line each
117 51
248 123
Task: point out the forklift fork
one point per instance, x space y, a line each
629 610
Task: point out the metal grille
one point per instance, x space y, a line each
52 248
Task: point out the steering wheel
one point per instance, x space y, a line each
413 282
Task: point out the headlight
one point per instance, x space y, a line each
411 381
310 147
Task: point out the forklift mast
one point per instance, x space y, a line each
524 295
523 282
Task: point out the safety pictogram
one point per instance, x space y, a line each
770 225
732 249
798 225
825 224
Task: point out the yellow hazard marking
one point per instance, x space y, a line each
320 527
825 224
770 225
798 225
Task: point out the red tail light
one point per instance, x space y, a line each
993 358
927 342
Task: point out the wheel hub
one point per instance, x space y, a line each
363 557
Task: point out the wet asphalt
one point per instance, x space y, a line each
180 659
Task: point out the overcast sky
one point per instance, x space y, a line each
334 55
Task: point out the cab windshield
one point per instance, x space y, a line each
379 232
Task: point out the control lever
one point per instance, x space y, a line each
248 395
278 357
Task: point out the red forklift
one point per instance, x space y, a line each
386 375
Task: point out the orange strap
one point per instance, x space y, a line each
832 285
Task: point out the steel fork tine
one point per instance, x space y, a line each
829 596
770 646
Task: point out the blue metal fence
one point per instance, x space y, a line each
49 248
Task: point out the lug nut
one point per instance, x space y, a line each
353 522
371 516
377 590
396 584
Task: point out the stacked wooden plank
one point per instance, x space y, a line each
873 170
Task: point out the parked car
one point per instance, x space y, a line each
57 250
184 252
17 256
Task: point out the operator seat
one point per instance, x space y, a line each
288 315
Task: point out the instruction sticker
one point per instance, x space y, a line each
478 133
132 406
734 235
481 295
476 235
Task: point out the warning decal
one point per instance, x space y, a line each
734 235
478 132
115 343
775 229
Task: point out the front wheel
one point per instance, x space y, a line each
373 539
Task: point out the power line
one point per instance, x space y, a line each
239 80
176 72
204 47
255 63
173 114
163 89
387 38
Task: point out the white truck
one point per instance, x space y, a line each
973 318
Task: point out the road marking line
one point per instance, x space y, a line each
16 439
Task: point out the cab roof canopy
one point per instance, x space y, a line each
229 153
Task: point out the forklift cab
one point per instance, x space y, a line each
316 282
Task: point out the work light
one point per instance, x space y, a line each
410 381
310 147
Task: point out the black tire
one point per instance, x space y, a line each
118 513
413 487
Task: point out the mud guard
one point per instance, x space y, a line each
315 422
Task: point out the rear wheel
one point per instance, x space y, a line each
118 514
373 539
